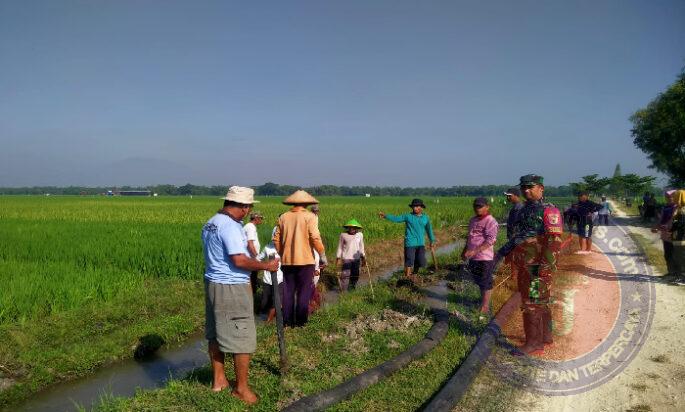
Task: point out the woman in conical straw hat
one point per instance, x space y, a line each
297 235
350 254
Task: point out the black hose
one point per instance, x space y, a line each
434 336
456 386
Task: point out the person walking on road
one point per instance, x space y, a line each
229 326
534 249
605 212
253 246
479 252
350 254
297 236
417 225
583 211
663 228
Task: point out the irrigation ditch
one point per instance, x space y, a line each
126 377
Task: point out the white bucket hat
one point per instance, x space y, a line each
242 195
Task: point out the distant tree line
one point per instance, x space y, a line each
274 189
619 185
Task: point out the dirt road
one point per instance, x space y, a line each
652 379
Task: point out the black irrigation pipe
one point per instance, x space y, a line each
435 335
456 386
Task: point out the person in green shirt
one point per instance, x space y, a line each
417 225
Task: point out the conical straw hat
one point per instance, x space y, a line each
300 197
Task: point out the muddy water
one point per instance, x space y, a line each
125 377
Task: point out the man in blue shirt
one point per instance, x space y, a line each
417 225
229 317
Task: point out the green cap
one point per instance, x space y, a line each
530 180
352 223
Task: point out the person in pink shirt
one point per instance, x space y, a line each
479 252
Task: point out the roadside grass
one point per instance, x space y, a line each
490 392
321 356
415 384
654 256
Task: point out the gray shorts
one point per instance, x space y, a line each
229 317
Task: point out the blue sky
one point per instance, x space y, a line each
435 93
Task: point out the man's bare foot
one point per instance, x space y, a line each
223 385
220 387
245 395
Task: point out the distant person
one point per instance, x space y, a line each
677 231
649 208
663 228
297 235
479 249
605 212
570 217
316 210
513 195
316 300
317 294
268 303
350 254
417 225
253 246
583 211
229 313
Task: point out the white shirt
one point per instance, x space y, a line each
270 253
251 233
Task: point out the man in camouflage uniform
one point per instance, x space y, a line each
534 249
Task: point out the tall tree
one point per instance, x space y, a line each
659 131
594 184
615 187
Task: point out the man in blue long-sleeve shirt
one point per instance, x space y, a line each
417 225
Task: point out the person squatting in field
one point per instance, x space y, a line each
479 252
534 248
582 215
296 237
417 225
229 317
350 254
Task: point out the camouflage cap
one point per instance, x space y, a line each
530 180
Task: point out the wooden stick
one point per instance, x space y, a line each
435 261
373 295
337 276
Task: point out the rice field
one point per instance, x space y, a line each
60 252
83 278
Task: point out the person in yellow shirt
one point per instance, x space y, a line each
297 236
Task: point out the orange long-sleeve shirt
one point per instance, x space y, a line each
296 234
